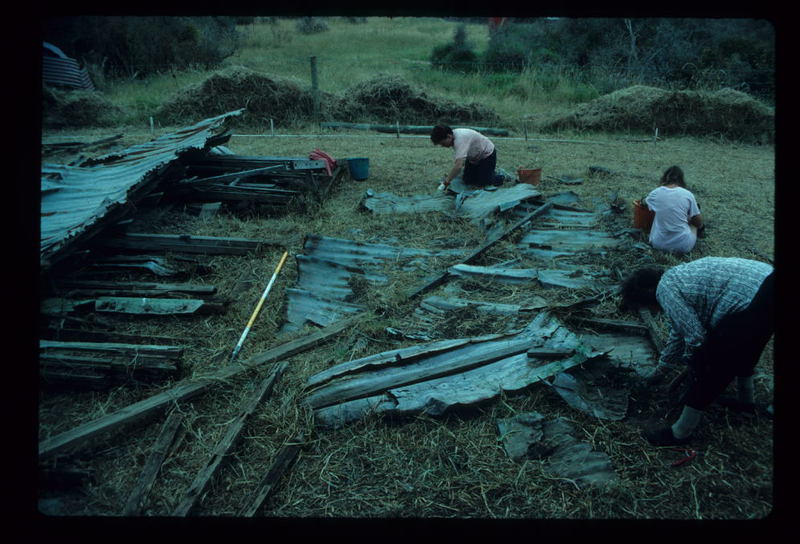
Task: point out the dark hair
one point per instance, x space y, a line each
440 132
673 174
639 288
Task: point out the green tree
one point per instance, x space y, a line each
457 56
138 46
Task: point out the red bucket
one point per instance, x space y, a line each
529 175
642 216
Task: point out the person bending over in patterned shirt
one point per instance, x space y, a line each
721 316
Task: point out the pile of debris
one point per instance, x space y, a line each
86 209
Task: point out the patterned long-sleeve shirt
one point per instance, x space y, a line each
695 296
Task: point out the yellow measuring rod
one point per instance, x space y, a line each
258 306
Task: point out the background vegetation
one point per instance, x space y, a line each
528 67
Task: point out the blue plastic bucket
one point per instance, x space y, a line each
359 168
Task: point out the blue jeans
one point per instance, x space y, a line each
481 173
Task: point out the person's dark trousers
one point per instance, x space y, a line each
732 349
481 173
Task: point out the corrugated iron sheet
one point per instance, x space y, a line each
324 291
75 198
61 71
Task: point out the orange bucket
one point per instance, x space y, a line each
530 175
642 216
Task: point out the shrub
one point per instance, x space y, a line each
457 56
311 25
508 50
141 46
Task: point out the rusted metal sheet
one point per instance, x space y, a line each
75 199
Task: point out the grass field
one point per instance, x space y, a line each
450 467
349 53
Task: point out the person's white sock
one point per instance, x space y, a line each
689 419
744 386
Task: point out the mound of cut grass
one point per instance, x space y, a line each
390 98
263 98
728 113
77 109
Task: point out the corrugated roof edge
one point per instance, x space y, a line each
143 162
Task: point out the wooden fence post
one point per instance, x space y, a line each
315 87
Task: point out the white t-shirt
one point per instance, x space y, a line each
471 145
673 207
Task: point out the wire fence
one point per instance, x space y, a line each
605 78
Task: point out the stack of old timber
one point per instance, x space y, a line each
86 209
271 183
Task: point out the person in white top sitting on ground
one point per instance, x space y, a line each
475 155
677 220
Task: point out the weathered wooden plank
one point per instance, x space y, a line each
609 324
83 435
138 496
211 245
550 353
80 335
653 331
131 288
120 348
83 379
155 264
283 461
478 252
228 441
157 306
98 365
57 307
230 161
232 176
56 367
258 194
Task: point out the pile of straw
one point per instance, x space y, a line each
390 98
77 109
263 98
727 113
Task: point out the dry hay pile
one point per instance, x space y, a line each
728 113
263 98
77 109
390 98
